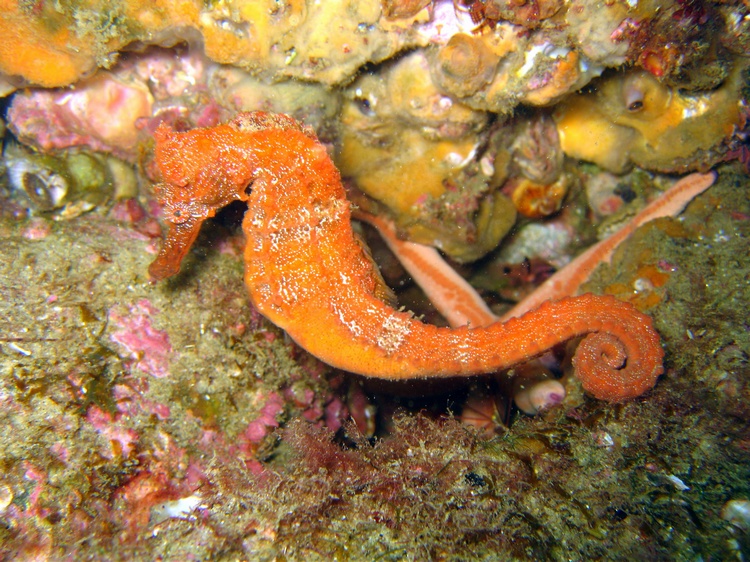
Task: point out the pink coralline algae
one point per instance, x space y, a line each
335 412
122 440
259 428
37 229
131 212
130 402
147 346
99 114
113 110
304 398
39 478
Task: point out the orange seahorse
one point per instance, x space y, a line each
307 273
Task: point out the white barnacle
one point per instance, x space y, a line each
182 508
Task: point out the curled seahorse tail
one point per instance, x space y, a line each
621 356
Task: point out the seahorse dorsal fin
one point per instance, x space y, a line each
382 290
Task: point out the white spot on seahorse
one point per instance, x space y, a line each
354 328
395 330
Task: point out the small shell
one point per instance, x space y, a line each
6 496
537 200
535 390
485 410
38 179
464 65
537 154
67 184
402 9
124 179
737 512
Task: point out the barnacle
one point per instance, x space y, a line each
537 200
464 65
41 180
68 184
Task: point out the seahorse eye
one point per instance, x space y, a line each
176 213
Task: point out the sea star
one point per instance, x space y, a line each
460 304
307 273
569 279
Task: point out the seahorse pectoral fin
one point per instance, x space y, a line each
180 237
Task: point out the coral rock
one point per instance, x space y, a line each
637 120
99 113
